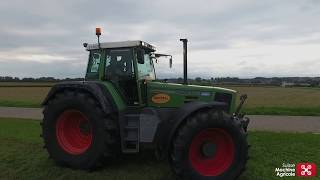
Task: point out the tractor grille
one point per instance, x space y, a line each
224 97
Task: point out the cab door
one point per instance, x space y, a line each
120 71
145 73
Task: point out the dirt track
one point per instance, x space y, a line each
258 122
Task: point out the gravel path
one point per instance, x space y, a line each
17 112
285 123
258 122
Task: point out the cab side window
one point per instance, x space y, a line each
95 60
119 64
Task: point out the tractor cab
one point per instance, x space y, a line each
127 64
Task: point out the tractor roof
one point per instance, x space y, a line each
121 44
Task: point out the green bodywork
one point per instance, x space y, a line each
120 103
181 94
148 88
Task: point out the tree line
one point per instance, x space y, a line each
40 79
272 81
275 81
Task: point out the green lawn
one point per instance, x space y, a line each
22 156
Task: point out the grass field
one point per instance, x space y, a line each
281 101
262 100
22 96
26 84
22 157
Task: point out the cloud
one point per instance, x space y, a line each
227 38
37 69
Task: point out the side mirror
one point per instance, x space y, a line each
140 56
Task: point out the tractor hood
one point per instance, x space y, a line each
173 86
175 95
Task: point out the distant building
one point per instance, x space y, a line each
287 84
304 84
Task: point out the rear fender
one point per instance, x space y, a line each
97 90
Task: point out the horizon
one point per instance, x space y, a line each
192 78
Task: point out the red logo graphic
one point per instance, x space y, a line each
306 169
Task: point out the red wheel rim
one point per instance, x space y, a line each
222 157
74 132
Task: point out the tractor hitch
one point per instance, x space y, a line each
243 98
240 116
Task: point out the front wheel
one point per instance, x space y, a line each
210 145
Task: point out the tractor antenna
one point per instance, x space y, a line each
98 33
185 67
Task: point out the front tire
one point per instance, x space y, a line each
210 145
76 131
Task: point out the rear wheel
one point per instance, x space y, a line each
210 145
76 132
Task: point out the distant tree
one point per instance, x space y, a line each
180 80
7 78
198 79
28 79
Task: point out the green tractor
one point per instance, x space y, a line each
120 107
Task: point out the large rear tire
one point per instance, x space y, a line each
76 132
210 145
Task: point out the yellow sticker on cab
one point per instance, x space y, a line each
160 98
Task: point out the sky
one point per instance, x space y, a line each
235 38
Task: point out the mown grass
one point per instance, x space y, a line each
22 157
262 100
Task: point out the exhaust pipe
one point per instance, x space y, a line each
185 67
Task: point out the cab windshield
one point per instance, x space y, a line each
146 70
